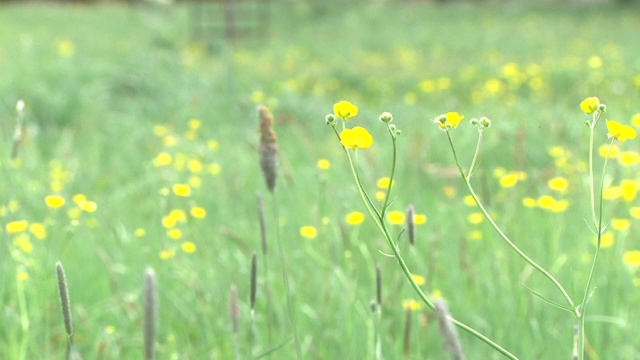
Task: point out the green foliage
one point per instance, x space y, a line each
108 88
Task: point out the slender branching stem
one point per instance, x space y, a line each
379 220
513 246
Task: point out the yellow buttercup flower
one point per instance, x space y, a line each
396 217
590 105
354 218
308 232
188 247
620 132
323 164
198 212
606 241
558 184
383 182
17 226
631 258
54 201
345 110
183 190
356 138
449 120
419 279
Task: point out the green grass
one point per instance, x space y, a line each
93 115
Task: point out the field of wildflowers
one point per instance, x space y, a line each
475 158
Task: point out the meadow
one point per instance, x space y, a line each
140 149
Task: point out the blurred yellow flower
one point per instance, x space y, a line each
594 62
395 217
635 120
509 180
356 138
631 258
345 110
354 218
449 120
606 241
22 276
167 254
54 201
474 235
140 232
383 182
611 193
66 47
323 164
183 190
469 200
308 232
380 195
198 212
194 166
194 124
620 132
213 144
188 247
611 150
629 189
16 226
162 159
419 280
558 184
178 214
620 224
476 218
38 230
411 304
160 130
420 219
168 222
635 212
174 233
195 181
88 206
213 169
529 202
448 191
629 158
589 105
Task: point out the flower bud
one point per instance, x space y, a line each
485 122
474 122
602 108
386 117
331 119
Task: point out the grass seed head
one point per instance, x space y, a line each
64 299
150 314
268 148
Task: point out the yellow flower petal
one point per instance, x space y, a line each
345 110
589 105
620 132
356 138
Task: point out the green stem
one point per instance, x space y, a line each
585 298
379 220
285 278
393 172
504 237
475 155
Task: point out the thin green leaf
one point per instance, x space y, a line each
550 302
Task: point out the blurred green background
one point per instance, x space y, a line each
109 87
